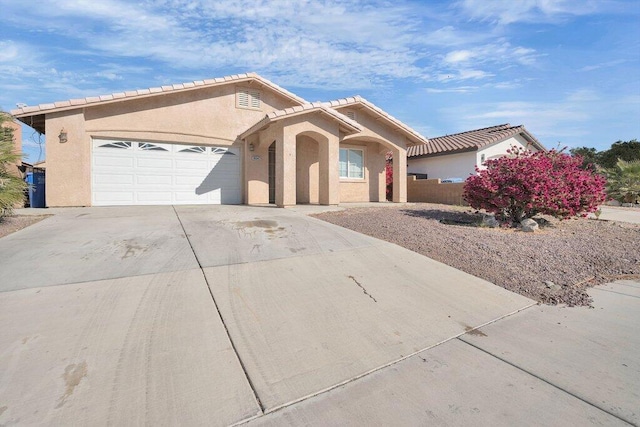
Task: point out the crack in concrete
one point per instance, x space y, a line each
363 289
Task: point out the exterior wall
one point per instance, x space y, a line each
288 133
207 116
459 165
308 143
380 139
432 191
68 180
377 172
500 149
256 170
372 187
462 165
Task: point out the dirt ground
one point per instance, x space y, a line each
554 265
11 224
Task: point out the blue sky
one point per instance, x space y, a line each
568 70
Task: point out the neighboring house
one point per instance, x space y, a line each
236 139
30 168
457 155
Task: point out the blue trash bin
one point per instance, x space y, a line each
36 182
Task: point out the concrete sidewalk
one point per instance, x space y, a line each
612 213
202 315
548 366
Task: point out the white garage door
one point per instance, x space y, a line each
150 173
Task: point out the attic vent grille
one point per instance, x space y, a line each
351 114
246 98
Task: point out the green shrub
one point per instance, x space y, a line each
623 181
11 186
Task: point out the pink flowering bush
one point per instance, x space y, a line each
524 184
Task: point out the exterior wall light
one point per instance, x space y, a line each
63 136
251 147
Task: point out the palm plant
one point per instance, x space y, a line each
11 186
623 181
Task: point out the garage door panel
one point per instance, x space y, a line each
190 196
149 179
222 170
154 197
154 163
114 197
229 197
146 173
195 164
114 178
189 181
114 161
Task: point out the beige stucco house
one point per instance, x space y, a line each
230 140
457 155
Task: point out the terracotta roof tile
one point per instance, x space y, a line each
406 130
471 140
61 105
309 107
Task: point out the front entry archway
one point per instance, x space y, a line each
307 170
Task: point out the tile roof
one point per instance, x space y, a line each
348 124
471 140
399 126
25 111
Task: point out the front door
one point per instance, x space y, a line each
272 173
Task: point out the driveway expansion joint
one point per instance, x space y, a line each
233 346
379 368
460 338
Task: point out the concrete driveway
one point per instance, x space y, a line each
219 315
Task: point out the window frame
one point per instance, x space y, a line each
362 168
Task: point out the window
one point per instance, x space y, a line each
222 151
195 149
147 146
247 98
117 144
351 163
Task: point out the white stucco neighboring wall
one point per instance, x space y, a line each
499 149
459 165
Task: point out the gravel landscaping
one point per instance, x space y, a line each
11 224
554 265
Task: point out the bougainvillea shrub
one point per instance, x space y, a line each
524 184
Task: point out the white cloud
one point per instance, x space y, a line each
307 43
600 65
363 43
458 56
508 11
562 120
583 95
460 89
